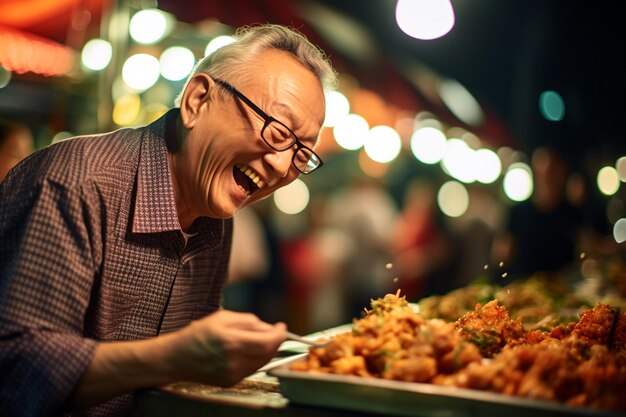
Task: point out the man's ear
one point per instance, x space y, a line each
196 94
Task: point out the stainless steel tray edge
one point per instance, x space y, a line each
396 398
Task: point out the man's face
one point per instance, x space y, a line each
230 165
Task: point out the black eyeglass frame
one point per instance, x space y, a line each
267 119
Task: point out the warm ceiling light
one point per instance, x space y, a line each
425 19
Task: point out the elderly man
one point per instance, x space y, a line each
114 248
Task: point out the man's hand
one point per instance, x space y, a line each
219 349
222 348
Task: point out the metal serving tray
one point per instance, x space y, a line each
396 398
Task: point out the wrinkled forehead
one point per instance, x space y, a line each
290 87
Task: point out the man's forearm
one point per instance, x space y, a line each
219 349
119 367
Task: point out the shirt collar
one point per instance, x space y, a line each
155 207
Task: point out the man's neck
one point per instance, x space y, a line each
174 137
185 215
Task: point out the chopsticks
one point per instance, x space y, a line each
297 338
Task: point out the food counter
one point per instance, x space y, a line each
337 396
403 359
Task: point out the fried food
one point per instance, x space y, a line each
540 302
490 328
485 349
393 342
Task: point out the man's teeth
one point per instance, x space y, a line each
246 192
252 175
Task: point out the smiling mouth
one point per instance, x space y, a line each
247 179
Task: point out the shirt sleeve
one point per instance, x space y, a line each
49 254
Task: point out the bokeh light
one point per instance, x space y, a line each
620 167
382 144
351 131
428 144
292 198
619 230
61 136
217 42
425 19
487 166
458 161
140 71
552 106
607 180
518 182
461 102
176 63
148 26
453 199
153 111
337 107
5 76
126 109
96 54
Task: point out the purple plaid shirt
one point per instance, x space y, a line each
91 250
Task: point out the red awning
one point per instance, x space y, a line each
43 36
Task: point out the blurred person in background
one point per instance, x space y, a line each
114 248
596 235
251 260
16 143
364 212
542 233
420 246
315 270
256 279
473 236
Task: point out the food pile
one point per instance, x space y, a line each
541 300
574 363
538 301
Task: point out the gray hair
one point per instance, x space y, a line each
232 60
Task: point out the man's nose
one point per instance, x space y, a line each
280 161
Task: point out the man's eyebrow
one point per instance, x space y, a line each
288 115
285 111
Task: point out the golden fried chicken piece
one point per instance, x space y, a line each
595 324
490 328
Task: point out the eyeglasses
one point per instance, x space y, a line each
279 137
